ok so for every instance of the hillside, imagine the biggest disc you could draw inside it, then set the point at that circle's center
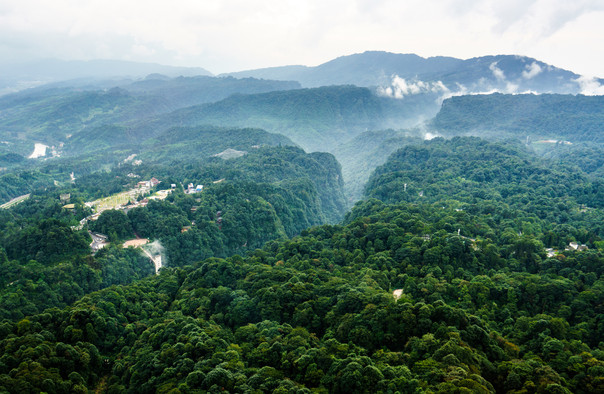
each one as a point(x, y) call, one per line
point(106, 147)
point(65, 118)
point(468, 168)
point(542, 117)
point(316, 119)
point(452, 294)
point(268, 193)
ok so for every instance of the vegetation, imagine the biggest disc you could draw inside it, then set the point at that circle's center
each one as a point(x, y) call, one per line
point(550, 117)
point(468, 266)
point(480, 307)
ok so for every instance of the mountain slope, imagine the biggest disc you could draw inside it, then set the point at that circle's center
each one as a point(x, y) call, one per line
point(317, 119)
point(65, 117)
point(506, 73)
point(549, 117)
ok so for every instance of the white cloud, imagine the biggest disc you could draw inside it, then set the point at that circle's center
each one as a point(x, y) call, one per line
point(531, 71)
point(400, 87)
point(229, 35)
point(497, 72)
point(590, 86)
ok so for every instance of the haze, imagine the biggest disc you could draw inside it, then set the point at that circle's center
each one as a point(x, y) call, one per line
point(232, 35)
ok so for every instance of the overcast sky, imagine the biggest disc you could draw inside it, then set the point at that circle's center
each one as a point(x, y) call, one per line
point(233, 35)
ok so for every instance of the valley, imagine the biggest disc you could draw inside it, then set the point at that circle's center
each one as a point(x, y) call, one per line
point(378, 223)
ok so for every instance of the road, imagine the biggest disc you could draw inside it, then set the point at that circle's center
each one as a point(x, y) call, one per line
point(14, 201)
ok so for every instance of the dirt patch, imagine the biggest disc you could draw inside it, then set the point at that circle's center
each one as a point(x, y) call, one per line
point(136, 242)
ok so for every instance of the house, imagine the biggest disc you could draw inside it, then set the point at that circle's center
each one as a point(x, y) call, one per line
point(144, 184)
point(577, 246)
point(173, 186)
point(199, 188)
point(154, 182)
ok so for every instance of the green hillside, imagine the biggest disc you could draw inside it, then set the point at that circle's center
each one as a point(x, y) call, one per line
point(67, 118)
point(316, 119)
point(269, 193)
point(452, 294)
point(542, 117)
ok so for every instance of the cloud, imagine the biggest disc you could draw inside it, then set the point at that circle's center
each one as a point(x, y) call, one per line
point(497, 72)
point(590, 86)
point(230, 35)
point(531, 71)
point(400, 87)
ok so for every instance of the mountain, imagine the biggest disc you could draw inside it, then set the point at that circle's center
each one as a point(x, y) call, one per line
point(367, 69)
point(67, 117)
point(540, 117)
point(456, 294)
point(506, 73)
point(18, 76)
point(469, 170)
point(317, 119)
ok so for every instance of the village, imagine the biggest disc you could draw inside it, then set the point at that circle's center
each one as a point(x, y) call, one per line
point(126, 201)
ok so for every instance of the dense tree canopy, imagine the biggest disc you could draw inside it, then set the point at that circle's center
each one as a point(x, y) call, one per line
point(451, 291)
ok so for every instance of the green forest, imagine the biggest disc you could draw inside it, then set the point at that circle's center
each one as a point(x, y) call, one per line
point(454, 273)
point(313, 239)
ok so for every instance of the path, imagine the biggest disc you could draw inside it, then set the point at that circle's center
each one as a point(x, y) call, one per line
point(15, 201)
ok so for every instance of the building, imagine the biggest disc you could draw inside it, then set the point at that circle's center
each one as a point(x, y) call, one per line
point(577, 246)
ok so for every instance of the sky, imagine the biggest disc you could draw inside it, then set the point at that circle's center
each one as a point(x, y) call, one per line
point(234, 35)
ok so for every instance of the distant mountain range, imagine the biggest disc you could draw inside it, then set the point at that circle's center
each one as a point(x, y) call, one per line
point(19, 76)
point(504, 73)
point(360, 107)
point(398, 74)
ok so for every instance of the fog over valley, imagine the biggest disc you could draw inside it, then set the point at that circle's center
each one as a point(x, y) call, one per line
point(240, 197)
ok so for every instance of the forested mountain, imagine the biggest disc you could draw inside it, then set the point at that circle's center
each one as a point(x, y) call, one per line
point(316, 119)
point(109, 146)
point(482, 74)
point(496, 178)
point(52, 116)
point(266, 194)
point(469, 265)
point(541, 117)
point(451, 293)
